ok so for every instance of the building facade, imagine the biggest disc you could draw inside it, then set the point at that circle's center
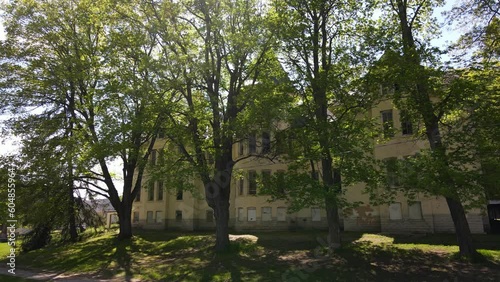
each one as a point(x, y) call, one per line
point(159, 208)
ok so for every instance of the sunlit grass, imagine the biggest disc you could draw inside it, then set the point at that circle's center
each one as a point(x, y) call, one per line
point(437, 243)
point(376, 239)
point(493, 255)
point(4, 249)
point(428, 248)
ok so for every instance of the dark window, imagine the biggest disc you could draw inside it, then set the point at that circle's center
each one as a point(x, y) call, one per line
point(391, 165)
point(241, 148)
point(406, 125)
point(138, 196)
point(153, 157)
point(178, 215)
point(241, 184)
point(281, 181)
point(405, 166)
point(160, 191)
point(161, 133)
point(387, 123)
point(279, 139)
point(266, 181)
point(151, 191)
point(266, 178)
point(161, 156)
point(315, 175)
point(266, 143)
point(136, 217)
point(252, 183)
point(252, 144)
point(179, 195)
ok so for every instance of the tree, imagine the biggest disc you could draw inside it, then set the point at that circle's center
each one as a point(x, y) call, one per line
point(477, 18)
point(480, 76)
point(41, 195)
point(419, 86)
point(91, 65)
point(218, 54)
point(323, 48)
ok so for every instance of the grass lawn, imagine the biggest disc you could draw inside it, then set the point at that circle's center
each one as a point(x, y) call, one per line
point(276, 256)
point(4, 249)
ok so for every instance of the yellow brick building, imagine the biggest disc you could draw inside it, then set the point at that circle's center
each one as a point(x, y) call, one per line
point(161, 209)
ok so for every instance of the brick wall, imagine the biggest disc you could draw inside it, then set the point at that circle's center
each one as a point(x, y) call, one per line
point(357, 223)
point(405, 225)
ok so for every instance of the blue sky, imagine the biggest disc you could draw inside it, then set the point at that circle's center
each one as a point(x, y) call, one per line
point(449, 34)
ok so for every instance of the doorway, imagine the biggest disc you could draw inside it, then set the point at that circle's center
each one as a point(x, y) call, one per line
point(494, 217)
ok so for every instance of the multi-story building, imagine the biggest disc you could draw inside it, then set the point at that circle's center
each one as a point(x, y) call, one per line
point(158, 208)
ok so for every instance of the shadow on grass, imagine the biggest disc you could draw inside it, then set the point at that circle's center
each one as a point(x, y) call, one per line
point(123, 257)
point(301, 240)
point(245, 261)
point(298, 257)
point(388, 263)
point(191, 258)
point(15, 279)
point(276, 256)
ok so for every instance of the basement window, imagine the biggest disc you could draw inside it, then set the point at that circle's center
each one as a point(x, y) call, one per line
point(281, 214)
point(149, 218)
point(241, 214)
point(315, 214)
point(395, 211)
point(415, 210)
point(159, 217)
point(266, 213)
point(178, 215)
point(252, 214)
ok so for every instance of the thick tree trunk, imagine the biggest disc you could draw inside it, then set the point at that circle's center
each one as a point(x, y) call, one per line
point(332, 211)
point(321, 68)
point(221, 213)
point(73, 232)
point(125, 220)
point(425, 107)
point(217, 193)
point(332, 216)
point(217, 197)
point(457, 211)
point(462, 230)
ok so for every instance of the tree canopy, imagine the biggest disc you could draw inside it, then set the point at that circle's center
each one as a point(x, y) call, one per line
point(89, 83)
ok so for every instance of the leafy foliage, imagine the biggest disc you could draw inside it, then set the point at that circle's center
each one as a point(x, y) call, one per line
point(78, 79)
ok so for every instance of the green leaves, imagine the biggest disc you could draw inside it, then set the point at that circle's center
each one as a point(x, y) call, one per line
point(92, 71)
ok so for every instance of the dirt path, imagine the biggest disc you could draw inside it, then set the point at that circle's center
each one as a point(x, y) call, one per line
point(41, 275)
